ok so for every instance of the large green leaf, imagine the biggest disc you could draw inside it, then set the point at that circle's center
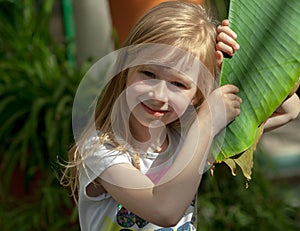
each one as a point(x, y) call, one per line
point(265, 69)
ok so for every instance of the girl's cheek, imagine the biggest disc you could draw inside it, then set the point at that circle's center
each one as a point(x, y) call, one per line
point(180, 105)
point(131, 96)
point(136, 93)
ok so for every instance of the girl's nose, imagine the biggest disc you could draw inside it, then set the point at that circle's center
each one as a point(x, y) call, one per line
point(160, 91)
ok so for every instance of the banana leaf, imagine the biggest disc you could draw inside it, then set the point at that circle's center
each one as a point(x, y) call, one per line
point(266, 69)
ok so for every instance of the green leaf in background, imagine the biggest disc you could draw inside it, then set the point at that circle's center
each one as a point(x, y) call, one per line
point(265, 69)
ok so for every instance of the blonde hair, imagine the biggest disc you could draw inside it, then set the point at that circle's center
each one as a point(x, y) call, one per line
point(180, 24)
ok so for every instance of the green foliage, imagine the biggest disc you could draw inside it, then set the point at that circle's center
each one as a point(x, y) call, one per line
point(226, 204)
point(265, 69)
point(219, 8)
point(37, 87)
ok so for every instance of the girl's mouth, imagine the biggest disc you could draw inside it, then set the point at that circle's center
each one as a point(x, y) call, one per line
point(154, 112)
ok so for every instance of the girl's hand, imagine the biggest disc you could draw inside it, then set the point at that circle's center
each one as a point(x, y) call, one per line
point(225, 41)
point(222, 106)
point(287, 111)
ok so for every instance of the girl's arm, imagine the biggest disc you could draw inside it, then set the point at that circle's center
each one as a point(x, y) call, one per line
point(165, 203)
point(286, 112)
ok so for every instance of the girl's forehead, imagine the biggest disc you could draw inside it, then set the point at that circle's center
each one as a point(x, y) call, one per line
point(166, 57)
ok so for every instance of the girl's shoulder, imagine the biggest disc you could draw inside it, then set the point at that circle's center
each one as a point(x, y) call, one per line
point(99, 153)
point(96, 140)
point(101, 145)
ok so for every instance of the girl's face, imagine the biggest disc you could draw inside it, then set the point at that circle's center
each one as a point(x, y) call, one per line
point(158, 93)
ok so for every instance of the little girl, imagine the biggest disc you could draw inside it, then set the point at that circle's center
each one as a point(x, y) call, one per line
point(138, 165)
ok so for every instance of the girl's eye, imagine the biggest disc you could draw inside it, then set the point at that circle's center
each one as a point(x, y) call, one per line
point(149, 74)
point(178, 84)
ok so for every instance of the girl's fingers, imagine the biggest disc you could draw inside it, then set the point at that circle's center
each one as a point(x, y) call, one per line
point(229, 88)
point(237, 102)
point(226, 30)
point(234, 97)
point(228, 40)
point(225, 22)
point(224, 48)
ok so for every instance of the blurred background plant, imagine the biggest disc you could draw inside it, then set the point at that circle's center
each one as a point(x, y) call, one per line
point(37, 86)
point(226, 203)
point(38, 82)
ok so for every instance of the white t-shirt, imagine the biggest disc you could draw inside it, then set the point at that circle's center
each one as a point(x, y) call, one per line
point(103, 213)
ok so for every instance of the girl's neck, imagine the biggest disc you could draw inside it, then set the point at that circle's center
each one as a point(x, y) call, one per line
point(153, 138)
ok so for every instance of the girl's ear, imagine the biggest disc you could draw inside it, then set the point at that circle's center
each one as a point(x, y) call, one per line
point(219, 56)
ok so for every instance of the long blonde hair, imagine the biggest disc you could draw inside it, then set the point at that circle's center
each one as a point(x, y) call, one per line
point(180, 24)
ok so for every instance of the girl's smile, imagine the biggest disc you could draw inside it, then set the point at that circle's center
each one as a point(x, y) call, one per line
point(154, 111)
